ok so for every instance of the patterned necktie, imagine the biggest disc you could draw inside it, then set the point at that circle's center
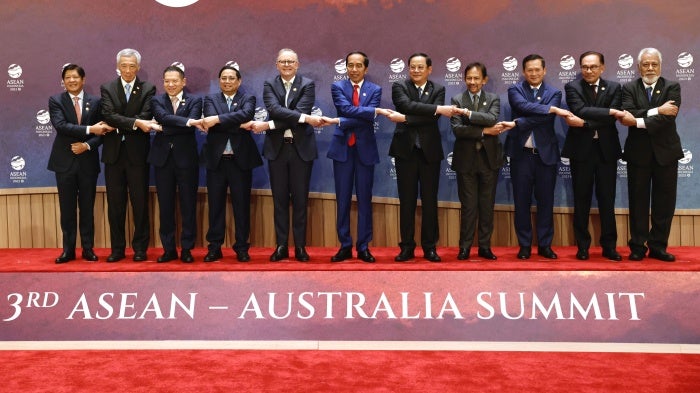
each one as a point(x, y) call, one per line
point(127, 91)
point(175, 102)
point(475, 108)
point(420, 93)
point(649, 93)
point(228, 149)
point(287, 88)
point(76, 106)
point(355, 102)
point(229, 100)
point(594, 92)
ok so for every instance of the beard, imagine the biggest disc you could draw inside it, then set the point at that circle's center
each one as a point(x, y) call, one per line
point(650, 79)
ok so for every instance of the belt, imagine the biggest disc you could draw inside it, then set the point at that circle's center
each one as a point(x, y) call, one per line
point(227, 156)
point(531, 150)
point(288, 139)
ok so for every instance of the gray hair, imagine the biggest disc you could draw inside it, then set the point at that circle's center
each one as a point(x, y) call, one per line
point(128, 52)
point(286, 50)
point(651, 51)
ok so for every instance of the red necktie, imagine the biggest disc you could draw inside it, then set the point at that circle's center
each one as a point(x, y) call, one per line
point(355, 102)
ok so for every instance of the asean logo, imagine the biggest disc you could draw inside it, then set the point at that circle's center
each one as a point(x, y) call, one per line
point(625, 61)
point(567, 62)
point(685, 60)
point(510, 63)
point(397, 65)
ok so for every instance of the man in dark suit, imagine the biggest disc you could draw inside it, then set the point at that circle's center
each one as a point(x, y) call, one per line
point(417, 149)
point(534, 152)
point(652, 151)
point(126, 106)
point(75, 159)
point(173, 154)
point(477, 157)
point(290, 148)
point(593, 146)
point(230, 155)
point(354, 153)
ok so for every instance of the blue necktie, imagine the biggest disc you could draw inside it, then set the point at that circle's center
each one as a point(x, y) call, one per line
point(127, 91)
point(534, 92)
point(649, 93)
point(228, 149)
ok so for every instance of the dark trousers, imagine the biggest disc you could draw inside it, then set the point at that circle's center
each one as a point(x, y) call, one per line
point(228, 176)
point(529, 174)
point(476, 189)
point(171, 181)
point(76, 190)
point(655, 183)
point(346, 174)
point(290, 177)
point(586, 175)
point(121, 178)
point(414, 176)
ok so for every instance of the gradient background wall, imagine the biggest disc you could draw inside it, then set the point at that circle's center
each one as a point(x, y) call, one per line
point(39, 37)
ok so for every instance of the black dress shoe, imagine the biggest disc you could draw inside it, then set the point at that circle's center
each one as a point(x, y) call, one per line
point(281, 252)
point(186, 256)
point(487, 254)
point(406, 254)
point(463, 253)
point(140, 256)
point(661, 255)
point(366, 256)
point(89, 255)
point(546, 252)
point(213, 255)
point(342, 254)
point(242, 256)
point(431, 255)
point(115, 256)
point(582, 254)
point(167, 256)
point(612, 255)
point(300, 254)
point(65, 257)
point(524, 253)
point(636, 256)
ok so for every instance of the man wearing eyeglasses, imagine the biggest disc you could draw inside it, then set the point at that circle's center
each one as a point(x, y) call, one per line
point(593, 146)
point(290, 148)
point(652, 151)
point(417, 149)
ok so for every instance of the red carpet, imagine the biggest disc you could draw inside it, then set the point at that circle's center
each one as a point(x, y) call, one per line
point(42, 260)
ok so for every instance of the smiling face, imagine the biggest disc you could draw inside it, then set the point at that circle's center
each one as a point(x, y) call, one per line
point(475, 80)
point(287, 64)
point(419, 70)
point(356, 68)
point(73, 82)
point(229, 82)
point(534, 72)
point(173, 83)
point(128, 68)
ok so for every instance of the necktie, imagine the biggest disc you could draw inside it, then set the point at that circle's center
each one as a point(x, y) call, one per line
point(287, 88)
point(420, 93)
point(649, 93)
point(228, 149)
point(175, 102)
point(76, 106)
point(534, 92)
point(420, 96)
point(475, 108)
point(594, 91)
point(355, 102)
point(127, 91)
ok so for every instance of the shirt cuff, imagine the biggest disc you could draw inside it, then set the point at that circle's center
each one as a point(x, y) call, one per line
point(652, 112)
point(302, 118)
point(271, 124)
point(640, 123)
point(87, 130)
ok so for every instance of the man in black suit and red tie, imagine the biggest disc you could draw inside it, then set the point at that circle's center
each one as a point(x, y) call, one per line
point(290, 148)
point(230, 155)
point(75, 159)
point(593, 146)
point(652, 151)
point(174, 157)
point(417, 149)
point(126, 106)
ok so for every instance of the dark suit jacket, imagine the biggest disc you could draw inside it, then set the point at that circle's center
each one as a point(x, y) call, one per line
point(579, 140)
point(176, 137)
point(421, 120)
point(117, 113)
point(660, 137)
point(301, 101)
point(68, 132)
point(357, 119)
point(532, 114)
point(470, 130)
point(245, 151)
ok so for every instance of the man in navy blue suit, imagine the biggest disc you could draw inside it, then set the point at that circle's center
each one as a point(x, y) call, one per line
point(354, 153)
point(74, 158)
point(534, 153)
point(174, 157)
point(230, 155)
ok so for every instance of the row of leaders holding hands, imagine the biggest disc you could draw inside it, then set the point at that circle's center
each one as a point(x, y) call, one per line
point(129, 110)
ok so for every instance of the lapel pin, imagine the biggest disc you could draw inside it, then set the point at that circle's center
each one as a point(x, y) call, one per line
point(602, 88)
point(658, 92)
point(294, 89)
point(364, 94)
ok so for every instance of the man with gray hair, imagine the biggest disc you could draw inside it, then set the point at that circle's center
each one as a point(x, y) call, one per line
point(652, 151)
point(126, 106)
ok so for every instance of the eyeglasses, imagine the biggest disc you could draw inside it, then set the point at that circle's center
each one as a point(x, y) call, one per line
point(591, 68)
point(417, 68)
point(286, 62)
